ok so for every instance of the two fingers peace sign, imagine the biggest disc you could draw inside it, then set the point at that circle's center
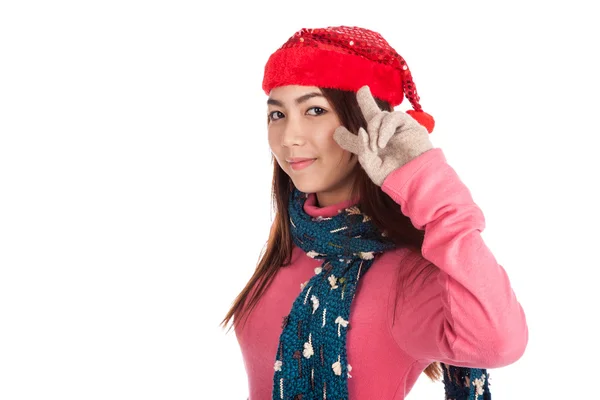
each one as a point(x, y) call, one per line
point(390, 140)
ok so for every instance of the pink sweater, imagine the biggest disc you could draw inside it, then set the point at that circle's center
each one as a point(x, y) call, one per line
point(465, 313)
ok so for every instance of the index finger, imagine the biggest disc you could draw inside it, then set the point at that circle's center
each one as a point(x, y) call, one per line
point(367, 103)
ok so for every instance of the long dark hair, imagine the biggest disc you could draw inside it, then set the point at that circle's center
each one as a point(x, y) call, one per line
point(384, 212)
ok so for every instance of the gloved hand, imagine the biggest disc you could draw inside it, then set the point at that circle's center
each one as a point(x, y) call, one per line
point(391, 140)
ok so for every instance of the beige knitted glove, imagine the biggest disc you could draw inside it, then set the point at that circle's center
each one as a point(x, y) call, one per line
point(391, 140)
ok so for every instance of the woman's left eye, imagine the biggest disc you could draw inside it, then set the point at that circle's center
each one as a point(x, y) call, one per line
point(318, 110)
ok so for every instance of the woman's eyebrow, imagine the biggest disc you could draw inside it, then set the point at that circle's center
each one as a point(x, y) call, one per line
point(299, 100)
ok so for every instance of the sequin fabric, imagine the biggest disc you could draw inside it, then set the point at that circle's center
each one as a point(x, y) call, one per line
point(359, 42)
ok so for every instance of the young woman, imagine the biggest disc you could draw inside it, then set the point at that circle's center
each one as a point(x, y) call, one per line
point(375, 269)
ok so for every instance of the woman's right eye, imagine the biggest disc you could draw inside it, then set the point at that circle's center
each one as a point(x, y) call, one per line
point(275, 115)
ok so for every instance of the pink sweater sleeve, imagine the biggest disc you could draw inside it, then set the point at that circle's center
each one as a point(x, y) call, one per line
point(466, 313)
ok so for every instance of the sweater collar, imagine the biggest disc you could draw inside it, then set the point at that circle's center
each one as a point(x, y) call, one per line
point(312, 209)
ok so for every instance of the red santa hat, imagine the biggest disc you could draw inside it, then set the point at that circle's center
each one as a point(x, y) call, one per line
point(346, 58)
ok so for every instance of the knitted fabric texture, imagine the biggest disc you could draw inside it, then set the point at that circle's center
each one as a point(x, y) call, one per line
point(311, 360)
point(465, 383)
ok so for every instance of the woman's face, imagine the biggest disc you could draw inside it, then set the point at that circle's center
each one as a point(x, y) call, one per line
point(301, 126)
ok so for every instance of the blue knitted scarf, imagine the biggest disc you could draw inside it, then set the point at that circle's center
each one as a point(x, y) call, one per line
point(311, 361)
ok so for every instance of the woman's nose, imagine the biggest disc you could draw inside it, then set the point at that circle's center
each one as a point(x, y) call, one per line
point(293, 134)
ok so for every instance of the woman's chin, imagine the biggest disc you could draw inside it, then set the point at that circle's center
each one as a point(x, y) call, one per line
point(306, 186)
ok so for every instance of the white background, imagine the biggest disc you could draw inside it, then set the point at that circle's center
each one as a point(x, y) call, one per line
point(135, 179)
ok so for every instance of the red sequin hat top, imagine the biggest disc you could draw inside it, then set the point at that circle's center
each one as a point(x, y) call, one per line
point(346, 58)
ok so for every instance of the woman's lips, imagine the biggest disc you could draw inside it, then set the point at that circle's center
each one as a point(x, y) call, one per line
point(297, 165)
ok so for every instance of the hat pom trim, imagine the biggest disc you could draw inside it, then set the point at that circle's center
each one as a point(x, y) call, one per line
point(423, 118)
